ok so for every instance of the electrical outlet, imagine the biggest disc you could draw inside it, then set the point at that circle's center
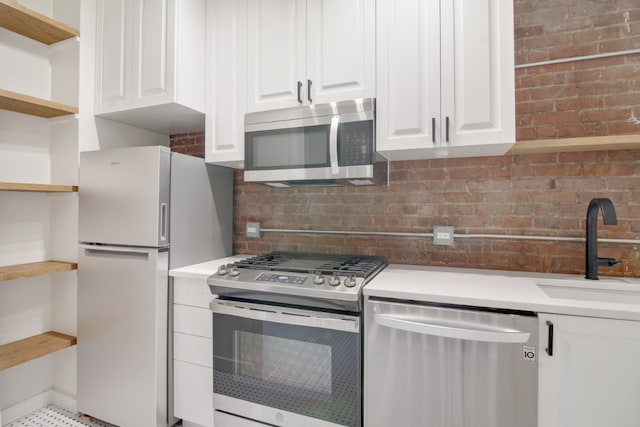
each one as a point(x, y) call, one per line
point(442, 235)
point(252, 229)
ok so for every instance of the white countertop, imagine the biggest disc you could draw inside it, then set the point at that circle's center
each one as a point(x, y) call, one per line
point(486, 288)
point(509, 290)
point(204, 269)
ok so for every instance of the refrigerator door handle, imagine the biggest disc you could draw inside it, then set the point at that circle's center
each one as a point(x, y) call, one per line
point(453, 331)
point(113, 252)
point(163, 222)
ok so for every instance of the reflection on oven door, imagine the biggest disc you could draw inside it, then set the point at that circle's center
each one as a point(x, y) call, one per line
point(222, 419)
point(285, 366)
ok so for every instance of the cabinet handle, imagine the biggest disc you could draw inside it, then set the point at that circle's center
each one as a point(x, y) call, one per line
point(549, 348)
point(300, 92)
point(447, 129)
point(309, 91)
point(433, 130)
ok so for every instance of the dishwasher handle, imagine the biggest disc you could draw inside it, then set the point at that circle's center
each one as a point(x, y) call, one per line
point(453, 331)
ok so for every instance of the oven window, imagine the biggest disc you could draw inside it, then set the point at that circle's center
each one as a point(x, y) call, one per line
point(310, 371)
point(294, 148)
point(277, 360)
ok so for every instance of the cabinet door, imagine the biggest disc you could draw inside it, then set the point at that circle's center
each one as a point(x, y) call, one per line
point(226, 82)
point(153, 45)
point(113, 52)
point(276, 49)
point(340, 51)
point(591, 379)
point(478, 95)
point(408, 67)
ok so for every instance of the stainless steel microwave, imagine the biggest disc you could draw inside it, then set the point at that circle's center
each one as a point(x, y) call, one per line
point(318, 144)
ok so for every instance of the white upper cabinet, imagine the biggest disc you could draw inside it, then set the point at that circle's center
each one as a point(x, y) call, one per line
point(309, 51)
point(150, 63)
point(591, 378)
point(445, 78)
point(226, 82)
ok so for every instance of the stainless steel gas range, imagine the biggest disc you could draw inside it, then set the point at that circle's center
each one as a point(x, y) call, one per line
point(287, 343)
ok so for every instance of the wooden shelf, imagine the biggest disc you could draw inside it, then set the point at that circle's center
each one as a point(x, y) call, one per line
point(27, 349)
point(29, 23)
point(591, 143)
point(25, 104)
point(20, 271)
point(44, 188)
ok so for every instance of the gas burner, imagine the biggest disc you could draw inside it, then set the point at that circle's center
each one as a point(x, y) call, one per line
point(364, 266)
point(332, 281)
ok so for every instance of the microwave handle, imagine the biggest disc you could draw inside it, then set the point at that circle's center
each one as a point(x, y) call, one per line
point(333, 145)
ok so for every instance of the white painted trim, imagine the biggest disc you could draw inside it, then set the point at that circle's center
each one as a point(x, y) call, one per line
point(36, 402)
point(26, 407)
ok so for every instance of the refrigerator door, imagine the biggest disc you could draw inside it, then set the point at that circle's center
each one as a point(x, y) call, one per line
point(124, 196)
point(449, 367)
point(122, 335)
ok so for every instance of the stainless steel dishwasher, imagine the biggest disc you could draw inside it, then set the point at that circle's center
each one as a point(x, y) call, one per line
point(449, 366)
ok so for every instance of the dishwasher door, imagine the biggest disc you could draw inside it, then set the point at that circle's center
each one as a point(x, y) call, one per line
point(449, 366)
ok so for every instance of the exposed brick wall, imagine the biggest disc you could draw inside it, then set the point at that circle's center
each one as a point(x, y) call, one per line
point(513, 195)
point(586, 98)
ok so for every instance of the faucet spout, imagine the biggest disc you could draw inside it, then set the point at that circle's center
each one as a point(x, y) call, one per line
point(609, 217)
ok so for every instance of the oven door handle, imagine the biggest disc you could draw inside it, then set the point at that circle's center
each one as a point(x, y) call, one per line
point(286, 316)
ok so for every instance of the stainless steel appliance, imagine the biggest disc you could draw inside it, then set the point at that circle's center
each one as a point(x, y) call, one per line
point(319, 144)
point(449, 366)
point(287, 343)
point(142, 211)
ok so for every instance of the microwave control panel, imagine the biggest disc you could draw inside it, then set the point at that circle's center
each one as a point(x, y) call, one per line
point(355, 143)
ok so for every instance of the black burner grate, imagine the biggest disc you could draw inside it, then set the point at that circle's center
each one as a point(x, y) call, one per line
point(366, 266)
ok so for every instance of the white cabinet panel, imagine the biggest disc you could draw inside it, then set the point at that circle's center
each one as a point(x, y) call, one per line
point(340, 50)
point(226, 96)
point(591, 379)
point(309, 51)
point(193, 391)
point(194, 292)
point(445, 78)
point(192, 320)
point(276, 43)
point(150, 63)
point(111, 52)
point(193, 349)
point(408, 66)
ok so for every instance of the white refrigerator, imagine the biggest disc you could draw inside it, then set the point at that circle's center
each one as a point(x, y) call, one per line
point(142, 211)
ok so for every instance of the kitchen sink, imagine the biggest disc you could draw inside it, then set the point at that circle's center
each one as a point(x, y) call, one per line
point(619, 291)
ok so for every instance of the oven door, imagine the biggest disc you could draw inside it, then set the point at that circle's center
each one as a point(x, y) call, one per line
point(286, 367)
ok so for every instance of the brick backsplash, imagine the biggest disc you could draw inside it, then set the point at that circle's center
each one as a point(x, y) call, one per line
point(522, 195)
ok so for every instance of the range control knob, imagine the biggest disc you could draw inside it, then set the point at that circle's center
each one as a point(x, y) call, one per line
point(223, 270)
point(334, 280)
point(350, 281)
point(233, 271)
point(318, 278)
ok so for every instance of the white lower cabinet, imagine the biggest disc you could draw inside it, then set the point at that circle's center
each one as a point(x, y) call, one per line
point(192, 394)
point(591, 378)
point(192, 352)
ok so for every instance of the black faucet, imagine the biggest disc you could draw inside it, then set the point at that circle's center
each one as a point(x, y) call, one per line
point(608, 218)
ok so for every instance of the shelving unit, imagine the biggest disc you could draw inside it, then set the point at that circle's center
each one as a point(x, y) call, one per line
point(41, 188)
point(29, 23)
point(59, 67)
point(589, 143)
point(21, 271)
point(27, 349)
point(25, 104)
